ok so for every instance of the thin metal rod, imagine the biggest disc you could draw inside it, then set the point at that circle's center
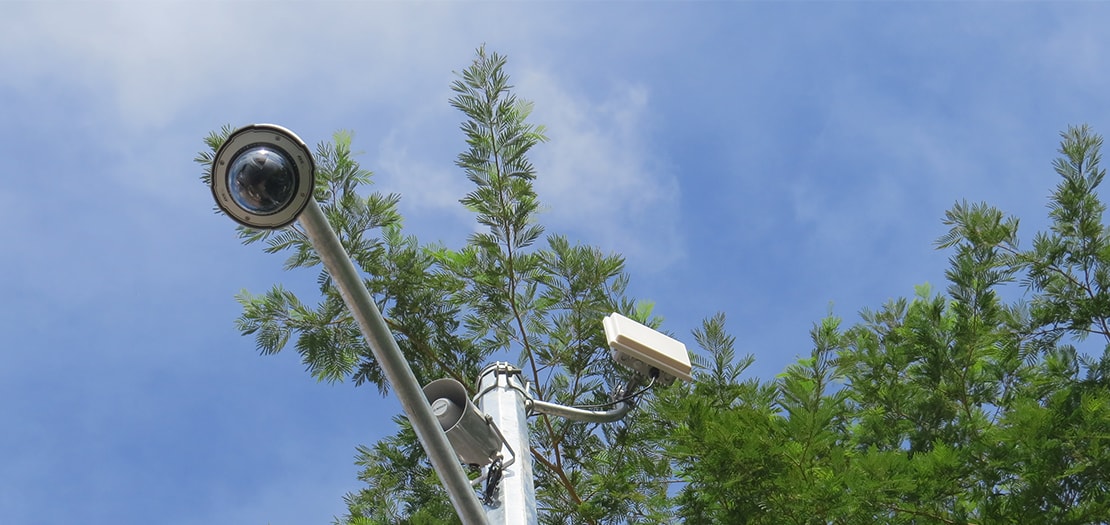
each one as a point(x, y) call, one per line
point(392, 361)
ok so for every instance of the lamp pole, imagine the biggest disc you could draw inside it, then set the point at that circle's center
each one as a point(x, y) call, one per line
point(263, 177)
point(393, 362)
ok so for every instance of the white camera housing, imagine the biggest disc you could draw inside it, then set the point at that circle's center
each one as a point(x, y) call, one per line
point(643, 349)
point(263, 176)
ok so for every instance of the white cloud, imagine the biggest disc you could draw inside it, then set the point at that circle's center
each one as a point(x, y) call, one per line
point(597, 174)
point(155, 61)
point(157, 74)
point(416, 159)
point(151, 59)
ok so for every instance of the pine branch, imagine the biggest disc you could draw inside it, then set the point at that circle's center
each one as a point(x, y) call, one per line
point(563, 479)
point(427, 351)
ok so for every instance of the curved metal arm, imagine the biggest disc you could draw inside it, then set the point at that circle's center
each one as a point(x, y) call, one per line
point(622, 408)
point(581, 414)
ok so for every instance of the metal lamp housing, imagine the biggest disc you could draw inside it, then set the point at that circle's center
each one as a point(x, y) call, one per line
point(263, 176)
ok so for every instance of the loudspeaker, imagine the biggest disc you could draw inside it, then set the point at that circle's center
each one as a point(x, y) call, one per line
point(473, 437)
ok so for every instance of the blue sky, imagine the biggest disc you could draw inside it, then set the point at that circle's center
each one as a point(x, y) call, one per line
point(764, 160)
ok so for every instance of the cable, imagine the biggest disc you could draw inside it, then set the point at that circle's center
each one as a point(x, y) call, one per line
point(654, 374)
point(493, 477)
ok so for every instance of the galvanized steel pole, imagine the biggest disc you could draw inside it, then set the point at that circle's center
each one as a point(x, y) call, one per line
point(502, 397)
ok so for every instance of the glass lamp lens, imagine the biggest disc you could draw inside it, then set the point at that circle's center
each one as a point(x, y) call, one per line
point(262, 180)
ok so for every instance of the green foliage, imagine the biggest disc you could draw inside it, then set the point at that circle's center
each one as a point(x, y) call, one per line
point(956, 408)
point(545, 306)
point(401, 487)
point(942, 408)
point(511, 291)
point(399, 272)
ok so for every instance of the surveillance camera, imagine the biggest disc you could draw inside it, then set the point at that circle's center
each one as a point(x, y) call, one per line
point(473, 436)
point(263, 176)
point(645, 350)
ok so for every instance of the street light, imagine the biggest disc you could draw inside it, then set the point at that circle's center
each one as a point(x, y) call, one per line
point(263, 177)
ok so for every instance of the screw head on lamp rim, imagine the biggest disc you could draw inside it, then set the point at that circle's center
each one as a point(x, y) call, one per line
point(263, 176)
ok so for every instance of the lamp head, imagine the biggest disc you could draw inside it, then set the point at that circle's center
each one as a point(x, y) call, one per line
point(263, 176)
